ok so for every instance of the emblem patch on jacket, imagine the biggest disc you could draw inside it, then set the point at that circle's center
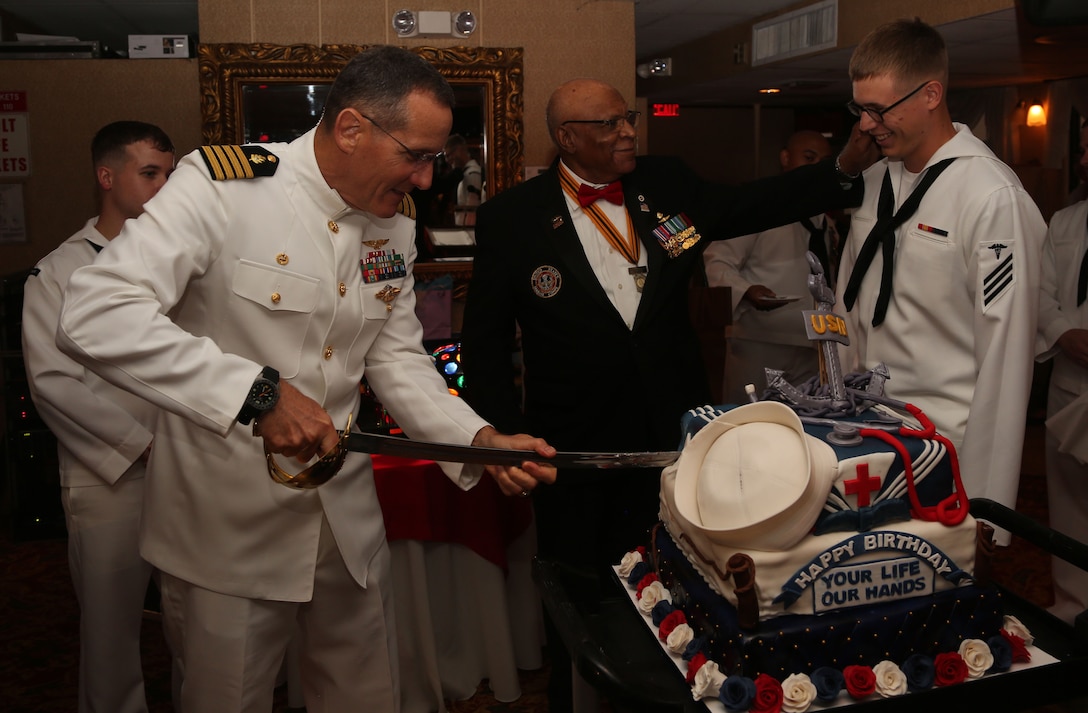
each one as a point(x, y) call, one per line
point(226, 163)
point(995, 263)
point(546, 281)
point(675, 233)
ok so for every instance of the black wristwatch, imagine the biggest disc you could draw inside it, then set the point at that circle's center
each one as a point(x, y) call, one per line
point(262, 396)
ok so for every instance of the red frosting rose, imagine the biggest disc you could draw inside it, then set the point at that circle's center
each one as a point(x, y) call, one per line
point(768, 697)
point(645, 582)
point(670, 622)
point(860, 681)
point(694, 665)
point(642, 551)
point(949, 668)
point(1019, 649)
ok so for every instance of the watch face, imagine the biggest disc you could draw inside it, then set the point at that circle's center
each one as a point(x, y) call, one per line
point(263, 395)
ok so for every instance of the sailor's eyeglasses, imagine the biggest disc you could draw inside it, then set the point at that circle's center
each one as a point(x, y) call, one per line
point(419, 158)
point(877, 115)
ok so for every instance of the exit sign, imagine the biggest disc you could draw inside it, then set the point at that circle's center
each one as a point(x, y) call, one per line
point(666, 110)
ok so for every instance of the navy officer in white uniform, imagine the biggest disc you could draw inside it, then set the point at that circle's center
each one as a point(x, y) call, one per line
point(247, 303)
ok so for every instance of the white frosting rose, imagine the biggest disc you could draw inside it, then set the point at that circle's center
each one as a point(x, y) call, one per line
point(1014, 626)
point(652, 594)
point(708, 681)
point(890, 679)
point(978, 657)
point(798, 693)
point(679, 639)
point(628, 563)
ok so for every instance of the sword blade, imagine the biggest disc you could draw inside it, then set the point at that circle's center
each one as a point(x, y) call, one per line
point(374, 443)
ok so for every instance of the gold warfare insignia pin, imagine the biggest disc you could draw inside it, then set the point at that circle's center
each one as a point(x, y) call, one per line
point(376, 244)
point(387, 294)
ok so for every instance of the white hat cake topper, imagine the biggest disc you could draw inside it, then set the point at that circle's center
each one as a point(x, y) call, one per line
point(753, 478)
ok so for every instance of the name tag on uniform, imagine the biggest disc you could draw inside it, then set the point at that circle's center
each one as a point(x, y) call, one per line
point(382, 265)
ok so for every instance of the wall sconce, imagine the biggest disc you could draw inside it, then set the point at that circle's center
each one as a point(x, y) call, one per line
point(1036, 114)
point(655, 68)
point(409, 23)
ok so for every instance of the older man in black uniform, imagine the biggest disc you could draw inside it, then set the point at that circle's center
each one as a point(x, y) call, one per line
point(592, 260)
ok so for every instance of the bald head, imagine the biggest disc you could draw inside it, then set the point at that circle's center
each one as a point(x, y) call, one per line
point(803, 148)
point(578, 99)
point(594, 151)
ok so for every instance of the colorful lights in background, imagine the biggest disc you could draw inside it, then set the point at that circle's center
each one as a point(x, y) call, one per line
point(374, 418)
point(447, 359)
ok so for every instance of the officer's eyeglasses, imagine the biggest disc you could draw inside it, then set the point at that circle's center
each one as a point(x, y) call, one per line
point(877, 115)
point(612, 124)
point(419, 158)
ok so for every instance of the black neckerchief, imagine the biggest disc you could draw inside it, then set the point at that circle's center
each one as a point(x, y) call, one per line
point(883, 235)
point(817, 244)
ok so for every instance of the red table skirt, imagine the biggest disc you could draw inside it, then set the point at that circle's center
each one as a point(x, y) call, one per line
point(420, 503)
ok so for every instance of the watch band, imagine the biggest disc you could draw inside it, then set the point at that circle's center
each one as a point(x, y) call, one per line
point(250, 408)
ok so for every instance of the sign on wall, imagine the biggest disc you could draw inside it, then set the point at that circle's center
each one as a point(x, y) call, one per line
point(14, 135)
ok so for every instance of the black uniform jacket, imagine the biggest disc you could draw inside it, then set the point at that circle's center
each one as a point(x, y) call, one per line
point(590, 383)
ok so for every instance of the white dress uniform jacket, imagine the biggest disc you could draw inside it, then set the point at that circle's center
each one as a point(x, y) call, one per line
point(101, 430)
point(775, 258)
point(1067, 401)
point(216, 279)
point(958, 335)
point(1058, 310)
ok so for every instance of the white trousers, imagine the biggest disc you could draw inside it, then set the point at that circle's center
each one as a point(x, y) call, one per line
point(230, 649)
point(1067, 499)
point(110, 580)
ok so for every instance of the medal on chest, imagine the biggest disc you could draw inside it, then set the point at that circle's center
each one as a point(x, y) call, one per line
point(675, 233)
point(381, 265)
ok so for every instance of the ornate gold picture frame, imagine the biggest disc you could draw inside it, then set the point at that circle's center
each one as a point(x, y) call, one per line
point(227, 69)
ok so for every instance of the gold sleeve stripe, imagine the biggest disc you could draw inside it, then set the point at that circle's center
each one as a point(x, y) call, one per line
point(226, 162)
point(407, 207)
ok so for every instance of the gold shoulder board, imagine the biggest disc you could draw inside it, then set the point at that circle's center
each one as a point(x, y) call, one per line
point(229, 162)
point(407, 207)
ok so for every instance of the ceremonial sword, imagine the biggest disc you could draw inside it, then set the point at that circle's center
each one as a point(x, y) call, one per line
point(374, 443)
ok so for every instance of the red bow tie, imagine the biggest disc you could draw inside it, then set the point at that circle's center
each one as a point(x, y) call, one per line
point(613, 193)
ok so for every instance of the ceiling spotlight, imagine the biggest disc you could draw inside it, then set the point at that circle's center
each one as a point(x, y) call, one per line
point(404, 23)
point(655, 68)
point(464, 24)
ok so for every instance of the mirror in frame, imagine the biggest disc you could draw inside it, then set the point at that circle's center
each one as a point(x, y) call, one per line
point(238, 80)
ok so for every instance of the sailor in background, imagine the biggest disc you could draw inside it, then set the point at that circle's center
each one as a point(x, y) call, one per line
point(768, 276)
point(104, 433)
point(1063, 327)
